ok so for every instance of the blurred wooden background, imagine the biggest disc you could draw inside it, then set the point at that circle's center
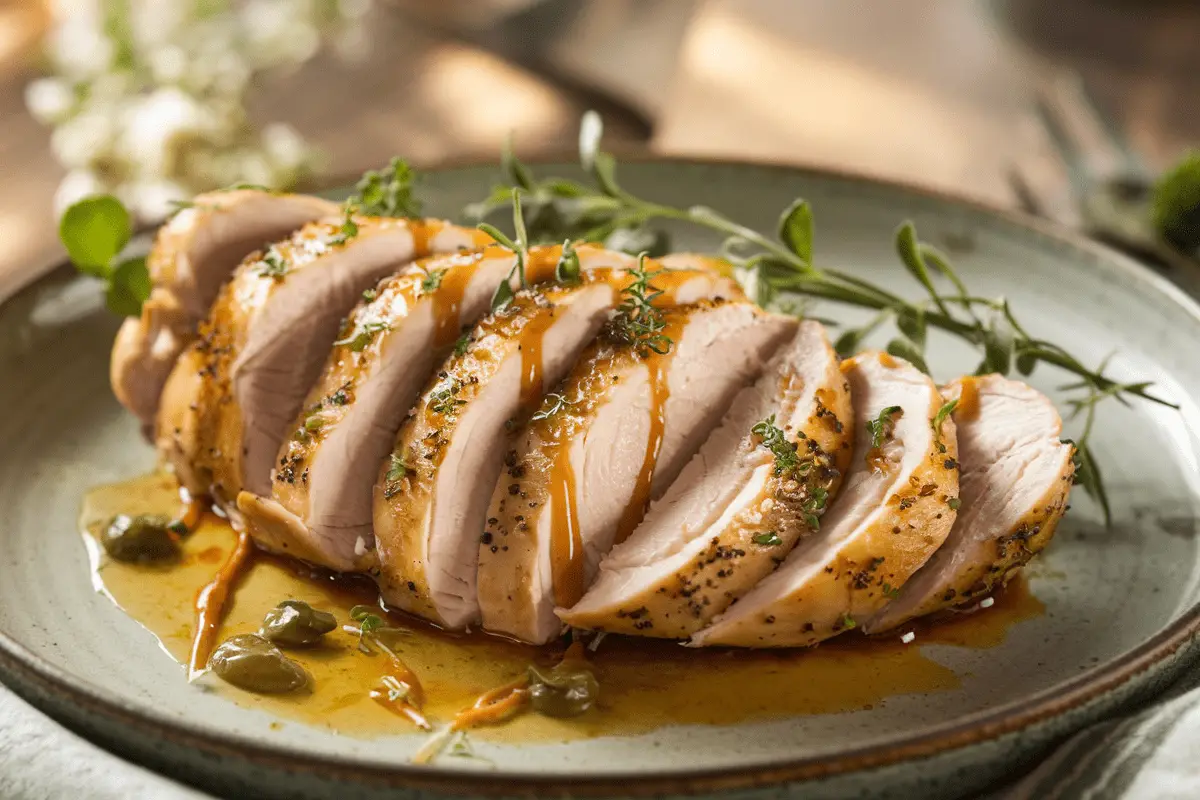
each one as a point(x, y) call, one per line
point(933, 91)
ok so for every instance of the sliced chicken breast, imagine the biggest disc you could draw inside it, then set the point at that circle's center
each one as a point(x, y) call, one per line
point(429, 509)
point(1014, 480)
point(266, 338)
point(194, 253)
point(895, 509)
point(614, 435)
point(388, 349)
point(758, 485)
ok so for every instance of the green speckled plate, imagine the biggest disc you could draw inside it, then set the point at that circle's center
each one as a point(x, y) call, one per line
point(1121, 604)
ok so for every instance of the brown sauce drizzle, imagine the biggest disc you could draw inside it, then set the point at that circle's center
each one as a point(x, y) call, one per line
point(447, 302)
point(968, 399)
point(423, 231)
point(541, 263)
point(660, 391)
point(211, 601)
point(530, 345)
point(566, 540)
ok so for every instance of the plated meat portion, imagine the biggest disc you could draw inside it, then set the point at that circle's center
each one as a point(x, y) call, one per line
point(193, 254)
point(429, 507)
point(387, 350)
point(895, 509)
point(611, 437)
point(759, 484)
point(265, 339)
point(1014, 480)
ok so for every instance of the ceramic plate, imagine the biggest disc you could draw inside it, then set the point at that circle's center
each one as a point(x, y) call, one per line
point(1120, 613)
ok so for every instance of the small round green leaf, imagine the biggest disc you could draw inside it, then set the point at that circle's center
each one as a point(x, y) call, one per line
point(128, 287)
point(94, 230)
point(796, 229)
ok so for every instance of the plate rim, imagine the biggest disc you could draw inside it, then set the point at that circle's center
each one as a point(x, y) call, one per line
point(1077, 692)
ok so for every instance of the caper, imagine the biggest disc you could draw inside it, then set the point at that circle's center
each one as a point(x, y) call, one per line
point(250, 662)
point(568, 690)
point(145, 537)
point(294, 623)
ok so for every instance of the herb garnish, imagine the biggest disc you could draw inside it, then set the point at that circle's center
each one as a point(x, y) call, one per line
point(847, 623)
point(768, 539)
point(443, 400)
point(568, 269)
point(773, 439)
point(388, 192)
point(272, 265)
point(775, 270)
point(370, 294)
point(637, 322)
point(940, 417)
point(881, 427)
point(954, 503)
point(432, 280)
point(95, 231)
point(813, 506)
point(368, 622)
point(553, 404)
point(520, 248)
point(362, 335)
point(460, 346)
point(349, 228)
point(891, 592)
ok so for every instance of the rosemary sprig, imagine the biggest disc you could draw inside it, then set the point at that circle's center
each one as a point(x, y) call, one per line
point(774, 270)
point(637, 323)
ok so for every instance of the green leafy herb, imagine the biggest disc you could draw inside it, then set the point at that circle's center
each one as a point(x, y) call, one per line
point(814, 506)
point(432, 280)
point(768, 539)
point(553, 404)
point(95, 231)
point(370, 294)
point(890, 592)
point(445, 399)
point(567, 270)
point(504, 292)
point(368, 622)
point(847, 623)
point(272, 265)
point(349, 227)
point(939, 419)
point(397, 469)
point(881, 427)
point(954, 504)
point(637, 323)
point(774, 439)
point(460, 346)
point(362, 335)
point(389, 192)
point(1176, 204)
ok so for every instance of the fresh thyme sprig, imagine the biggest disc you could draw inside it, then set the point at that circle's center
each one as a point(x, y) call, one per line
point(774, 270)
point(520, 248)
point(637, 322)
point(389, 192)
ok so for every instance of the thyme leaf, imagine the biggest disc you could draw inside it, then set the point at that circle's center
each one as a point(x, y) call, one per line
point(432, 280)
point(774, 439)
point(637, 323)
point(881, 427)
point(768, 539)
point(362, 335)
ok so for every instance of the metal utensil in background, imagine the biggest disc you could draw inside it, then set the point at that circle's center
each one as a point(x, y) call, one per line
point(1080, 170)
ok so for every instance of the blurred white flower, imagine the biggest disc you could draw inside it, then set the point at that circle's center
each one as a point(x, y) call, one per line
point(49, 99)
point(147, 98)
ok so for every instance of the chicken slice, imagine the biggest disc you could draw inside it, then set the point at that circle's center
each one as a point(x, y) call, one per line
point(194, 253)
point(265, 340)
point(895, 509)
point(613, 436)
point(1014, 479)
point(429, 509)
point(389, 347)
point(757, 486)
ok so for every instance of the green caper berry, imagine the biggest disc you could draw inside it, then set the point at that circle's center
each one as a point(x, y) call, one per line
point(565, 691)
point(294, 623)
point(250, 662)
point(145, 537)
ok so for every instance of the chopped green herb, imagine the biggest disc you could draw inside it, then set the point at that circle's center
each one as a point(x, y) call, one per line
point(349, 228)
point(272, 265)
point(637, 323)
point(891, 592)
point(368, 622)
point(881, 427)
point(460, 347)
point(954, 503)
point(369, 295)
point(847, 623)
point(397, 469)
point(433, 280)
point(444, 399)
point(768, 539)
point(388, 192)
point(362, 336)
point(773, 439)
point(553, 404)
